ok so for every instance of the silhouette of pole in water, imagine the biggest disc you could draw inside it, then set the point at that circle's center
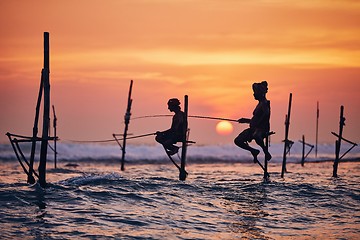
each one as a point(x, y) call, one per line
point(127, 121)
point(182, 174)
point(338, 141)
point(317, 128)
point(266, 174)
point(286, 141)
point(55, 137)
point(46, 113)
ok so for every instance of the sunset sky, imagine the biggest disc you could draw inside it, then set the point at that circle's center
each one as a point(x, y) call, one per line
point(211, 50)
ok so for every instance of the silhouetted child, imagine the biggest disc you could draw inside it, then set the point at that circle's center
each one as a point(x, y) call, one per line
point(259, 123)
point(176, 133)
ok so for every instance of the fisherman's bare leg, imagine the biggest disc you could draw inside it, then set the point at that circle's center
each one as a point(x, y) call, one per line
point(259, 141)
point(239, 141)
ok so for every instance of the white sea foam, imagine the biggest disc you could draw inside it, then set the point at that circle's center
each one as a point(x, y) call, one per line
point(196, 153)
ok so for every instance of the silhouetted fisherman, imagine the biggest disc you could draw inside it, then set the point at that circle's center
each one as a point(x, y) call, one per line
point(259, 123)
point(176, 133)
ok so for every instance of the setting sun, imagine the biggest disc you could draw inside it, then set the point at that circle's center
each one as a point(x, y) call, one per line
point(224, 128)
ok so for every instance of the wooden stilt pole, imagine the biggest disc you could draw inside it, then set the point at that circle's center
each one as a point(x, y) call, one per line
point(338, 142)
point(287, 124)
point(46, 115)
point(303, 151)
point(266, 174)
point(127, 121)
point(267, 143)
point(55, 136)
point(317, 129)
point(182, 174)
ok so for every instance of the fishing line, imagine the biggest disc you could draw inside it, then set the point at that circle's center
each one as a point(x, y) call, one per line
point(191, 116)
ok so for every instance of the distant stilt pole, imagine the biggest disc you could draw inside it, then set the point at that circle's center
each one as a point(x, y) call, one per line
point(338, 142)
point(303, 151)
point(55, 136)
point(46, 114)
point(127, 121)
point(182, 174)
point(286, 142)
point(266, 174)
point(317, 129)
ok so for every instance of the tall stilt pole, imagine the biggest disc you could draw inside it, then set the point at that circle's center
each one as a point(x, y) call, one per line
point(182, 174)
point(338, 141)
point(286, 142)
point(127, 121)
point(317, 129)
point(266, 174)
point(303, 151)
point(55, 136)
point(46, 115)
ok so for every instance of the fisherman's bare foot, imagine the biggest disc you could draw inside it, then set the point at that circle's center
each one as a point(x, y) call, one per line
point(173, 151)
point(255, 152)
point(268, 156)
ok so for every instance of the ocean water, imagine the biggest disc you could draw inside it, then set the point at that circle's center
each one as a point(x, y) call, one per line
point(224, 197)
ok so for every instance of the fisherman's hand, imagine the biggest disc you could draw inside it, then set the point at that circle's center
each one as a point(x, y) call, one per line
point(243, 120)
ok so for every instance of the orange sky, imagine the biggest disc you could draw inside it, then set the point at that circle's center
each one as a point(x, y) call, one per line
point(212, 50)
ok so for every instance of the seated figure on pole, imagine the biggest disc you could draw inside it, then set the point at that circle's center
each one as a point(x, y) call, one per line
point(259, 123)
point(176, 133)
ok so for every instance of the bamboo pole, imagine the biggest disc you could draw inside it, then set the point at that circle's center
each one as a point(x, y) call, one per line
point(338, 142)
point(287, 124)
point(46, 113)
point(55, 137)
point(127, 121)
point(182, 174)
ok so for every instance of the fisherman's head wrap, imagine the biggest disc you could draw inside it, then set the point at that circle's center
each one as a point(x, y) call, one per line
point(260, 88)
point(173, 102)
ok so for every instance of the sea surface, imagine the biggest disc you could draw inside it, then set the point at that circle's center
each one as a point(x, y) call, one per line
point(223, 197)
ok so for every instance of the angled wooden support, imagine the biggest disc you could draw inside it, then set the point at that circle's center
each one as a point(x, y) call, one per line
point(18, 158)
point(304, 156)
point(338, 141)
point(127, 121)
point(345, 140)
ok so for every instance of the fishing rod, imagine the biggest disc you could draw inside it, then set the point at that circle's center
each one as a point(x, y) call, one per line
point(214, 118)
point(138, 136)
point(111, 140)
point(191, 116)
